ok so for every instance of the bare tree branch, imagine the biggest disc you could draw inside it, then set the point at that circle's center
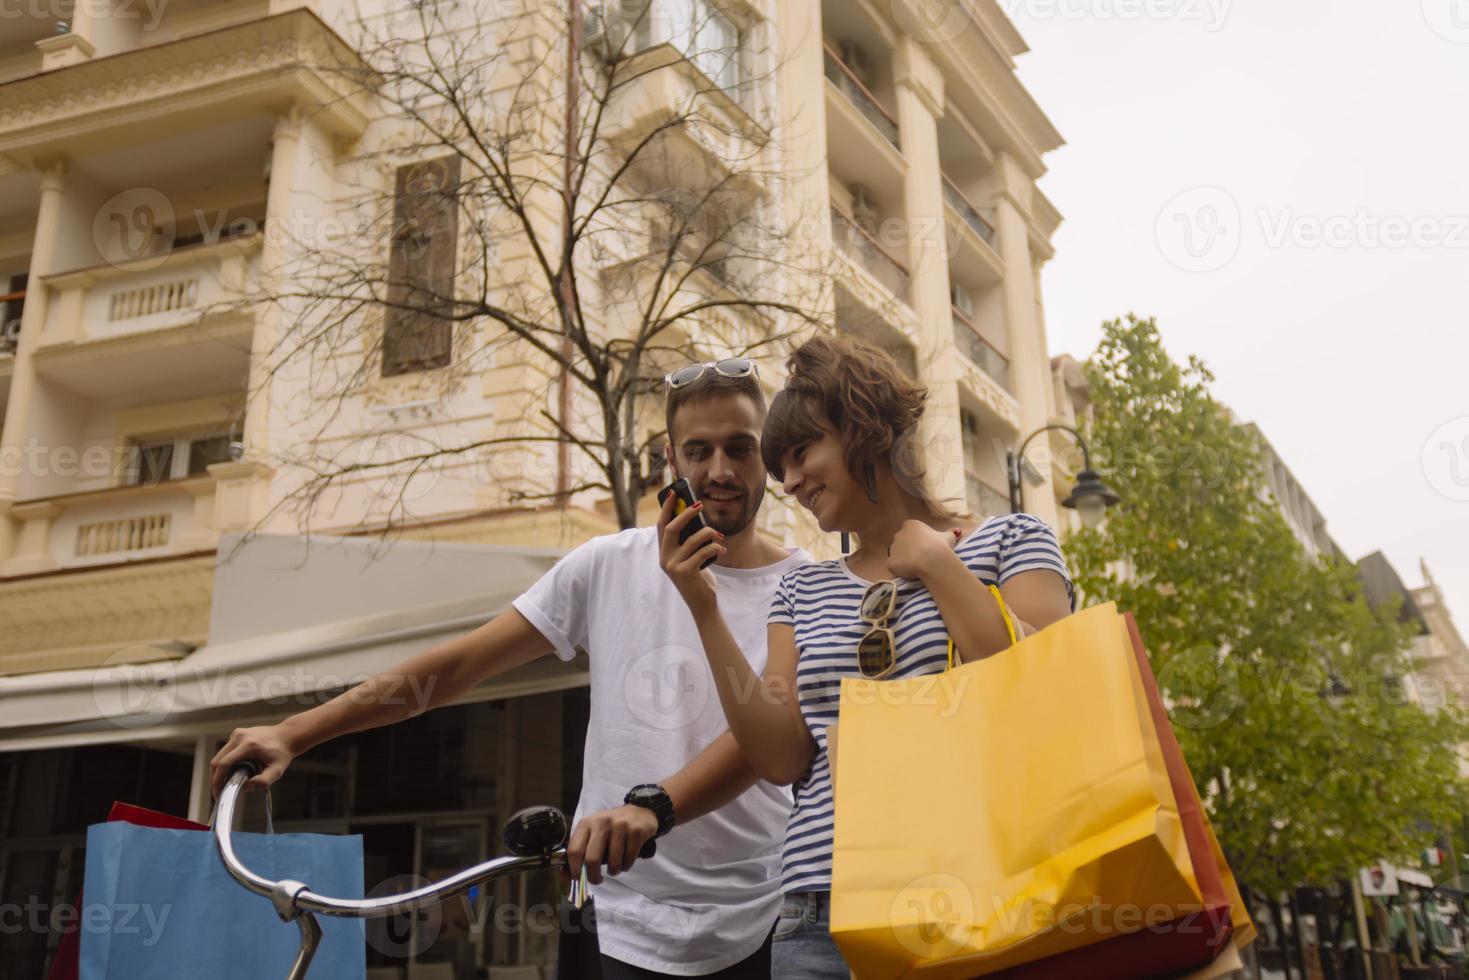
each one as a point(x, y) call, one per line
point(626, 252)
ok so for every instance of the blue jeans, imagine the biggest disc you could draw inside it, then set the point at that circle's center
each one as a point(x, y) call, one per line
point(803, 947)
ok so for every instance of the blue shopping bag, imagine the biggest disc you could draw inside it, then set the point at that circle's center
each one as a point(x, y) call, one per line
point(159, 904)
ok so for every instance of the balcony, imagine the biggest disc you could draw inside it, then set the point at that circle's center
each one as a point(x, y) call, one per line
point(160, 292)
point(850, 87)
point(984, 354)
point(861, 136)
point(135, 523)
point(967, 212)
point(112, 525)
point(159, 328)
point(998, 409)
point(972, 254)
point(872, 314)
point(856, 244)
point(983, 499)
point(708, 134)
point(257, 68)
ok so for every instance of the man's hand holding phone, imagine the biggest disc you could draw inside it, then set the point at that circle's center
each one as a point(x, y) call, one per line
point(684, 556)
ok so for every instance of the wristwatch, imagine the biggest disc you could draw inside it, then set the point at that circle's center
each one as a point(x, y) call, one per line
point(653, 797)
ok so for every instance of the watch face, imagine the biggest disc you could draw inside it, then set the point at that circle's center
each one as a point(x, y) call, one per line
point(655, 798)
point(647, 795)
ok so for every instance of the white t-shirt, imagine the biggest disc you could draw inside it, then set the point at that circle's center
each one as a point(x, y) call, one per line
point(712, 892)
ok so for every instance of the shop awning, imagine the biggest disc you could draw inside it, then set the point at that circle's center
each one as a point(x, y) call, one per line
point(291, 617)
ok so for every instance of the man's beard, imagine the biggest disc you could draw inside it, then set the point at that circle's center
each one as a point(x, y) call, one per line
point(740, 519)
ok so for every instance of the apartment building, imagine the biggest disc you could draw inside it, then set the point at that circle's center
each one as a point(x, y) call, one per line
point(156, 165)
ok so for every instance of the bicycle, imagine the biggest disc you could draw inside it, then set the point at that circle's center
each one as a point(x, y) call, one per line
point(535, 838)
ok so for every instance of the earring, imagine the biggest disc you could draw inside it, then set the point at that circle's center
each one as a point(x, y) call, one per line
point(871, 483)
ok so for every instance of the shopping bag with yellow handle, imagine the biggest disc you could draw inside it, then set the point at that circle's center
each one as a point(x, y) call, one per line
point(1005, 811)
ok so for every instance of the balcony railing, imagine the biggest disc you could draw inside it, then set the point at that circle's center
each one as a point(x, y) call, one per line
point(968, 212)
point(123, 523)
point(856, 93)
point(854, 241)
point(984, 499)
point(153, 292)
point(973, 346)
point(124, 534)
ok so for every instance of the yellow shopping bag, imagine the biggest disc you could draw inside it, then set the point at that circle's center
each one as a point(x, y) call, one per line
point(1005, 811)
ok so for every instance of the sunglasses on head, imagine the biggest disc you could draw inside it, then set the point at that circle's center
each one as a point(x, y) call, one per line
point(730, 367)
point(877, 651)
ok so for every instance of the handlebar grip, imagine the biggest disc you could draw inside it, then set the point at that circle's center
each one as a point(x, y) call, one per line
point(649, 849)
point(249, 765)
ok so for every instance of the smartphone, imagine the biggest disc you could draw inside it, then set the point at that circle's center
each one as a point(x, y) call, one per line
point(684, 499)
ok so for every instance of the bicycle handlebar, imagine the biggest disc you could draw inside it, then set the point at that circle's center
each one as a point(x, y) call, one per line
point(302, 899)
point(535, 837)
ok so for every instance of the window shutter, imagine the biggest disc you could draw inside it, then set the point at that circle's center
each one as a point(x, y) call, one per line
point(418, 335)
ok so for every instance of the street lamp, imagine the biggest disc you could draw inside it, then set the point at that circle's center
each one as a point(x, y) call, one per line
point(1090, 497)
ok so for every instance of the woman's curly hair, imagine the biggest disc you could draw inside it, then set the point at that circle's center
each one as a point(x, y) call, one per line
point(862, 392)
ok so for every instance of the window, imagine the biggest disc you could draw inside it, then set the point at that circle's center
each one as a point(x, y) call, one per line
point(154, 462)
point(203, 452)
point(418, 335)
point(712, 43)
point(157, 460)
point(697, 28)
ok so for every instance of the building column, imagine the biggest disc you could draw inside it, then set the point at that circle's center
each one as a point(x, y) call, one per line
point(920, 104)
point(23, 378)
point(200, 791)
point(1030, 365)
point(281, 216)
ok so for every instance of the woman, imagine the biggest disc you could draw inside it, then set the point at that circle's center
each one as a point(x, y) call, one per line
point(840, 437)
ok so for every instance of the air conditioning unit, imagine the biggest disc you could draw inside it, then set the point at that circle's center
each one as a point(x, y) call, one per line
point(10, 335)
point(856, 59)
point(864, 208)
point(594, 24)
point(959, 296)
point(606, 25)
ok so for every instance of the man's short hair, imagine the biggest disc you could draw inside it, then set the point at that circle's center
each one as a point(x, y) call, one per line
point(712, 385)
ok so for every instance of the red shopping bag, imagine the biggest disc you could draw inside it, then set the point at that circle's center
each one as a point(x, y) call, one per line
point(65, 966)
point(1183, 944)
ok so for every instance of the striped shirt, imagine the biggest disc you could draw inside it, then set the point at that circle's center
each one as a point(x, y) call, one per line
point(820, 602)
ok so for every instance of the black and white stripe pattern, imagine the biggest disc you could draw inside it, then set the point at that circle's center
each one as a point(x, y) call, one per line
point(820, 601)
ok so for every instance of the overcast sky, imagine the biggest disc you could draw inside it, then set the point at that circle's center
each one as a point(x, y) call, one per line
point(1285, 186)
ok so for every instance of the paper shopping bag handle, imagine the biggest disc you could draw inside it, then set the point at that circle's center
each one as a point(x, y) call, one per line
point(1004, 614)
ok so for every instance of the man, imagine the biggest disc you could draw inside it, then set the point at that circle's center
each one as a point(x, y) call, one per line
point(706, 904)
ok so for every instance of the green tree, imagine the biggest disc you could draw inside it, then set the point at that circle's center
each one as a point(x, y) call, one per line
point(1287, 690)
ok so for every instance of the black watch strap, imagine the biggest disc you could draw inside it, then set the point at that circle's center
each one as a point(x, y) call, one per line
point(653, 797)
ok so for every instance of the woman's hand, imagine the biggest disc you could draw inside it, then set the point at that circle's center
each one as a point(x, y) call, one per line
point(266, 744)
point(918, 550)
point(682, 563)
